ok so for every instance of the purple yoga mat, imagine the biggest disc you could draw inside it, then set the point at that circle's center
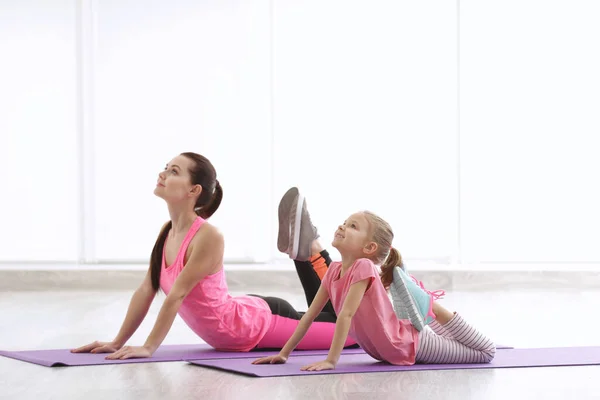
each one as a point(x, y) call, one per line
point(353, 363)
point(180, 352)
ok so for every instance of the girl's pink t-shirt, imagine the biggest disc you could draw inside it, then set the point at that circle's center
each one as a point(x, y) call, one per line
point(375, 326)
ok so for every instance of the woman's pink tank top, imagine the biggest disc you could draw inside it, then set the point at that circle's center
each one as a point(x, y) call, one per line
point(224, 322)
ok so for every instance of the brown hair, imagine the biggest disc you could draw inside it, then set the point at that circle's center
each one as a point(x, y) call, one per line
point(204, 174)
point(386, 256)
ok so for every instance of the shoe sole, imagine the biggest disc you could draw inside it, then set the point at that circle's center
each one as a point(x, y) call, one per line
point(295, 224)
point(426, 315)
point(404, 303)
point(285, 206)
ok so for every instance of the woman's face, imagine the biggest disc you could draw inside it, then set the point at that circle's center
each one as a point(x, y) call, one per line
point(174, 182)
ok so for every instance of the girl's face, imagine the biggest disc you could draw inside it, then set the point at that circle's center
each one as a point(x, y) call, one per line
point(353, 238)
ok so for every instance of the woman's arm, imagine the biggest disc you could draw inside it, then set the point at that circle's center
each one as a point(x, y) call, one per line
point(207, 251)
point(136, 312)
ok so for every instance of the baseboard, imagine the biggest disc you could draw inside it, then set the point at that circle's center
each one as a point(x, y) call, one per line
point(265, 280)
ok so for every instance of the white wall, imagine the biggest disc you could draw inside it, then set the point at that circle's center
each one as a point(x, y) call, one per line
point(470, 126)
point(39, 174)
point(172, 77)
point(530, 101)
point(365, 115)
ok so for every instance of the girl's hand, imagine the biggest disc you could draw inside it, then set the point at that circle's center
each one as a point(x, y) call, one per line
point(278, 359)
point(130, 352)
point(98, 347)
point(318, 366)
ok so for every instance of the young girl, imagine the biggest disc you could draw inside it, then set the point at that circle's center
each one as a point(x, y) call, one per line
point(187, 264)
point(365, 312)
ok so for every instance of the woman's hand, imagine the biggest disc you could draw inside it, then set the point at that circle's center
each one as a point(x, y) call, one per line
point(318, 366)
point(278, 359)
point(130, 352)
point(98, 347)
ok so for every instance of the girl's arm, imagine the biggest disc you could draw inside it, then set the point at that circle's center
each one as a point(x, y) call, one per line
point(307, 319)
point(206, 253)
point(342, 326)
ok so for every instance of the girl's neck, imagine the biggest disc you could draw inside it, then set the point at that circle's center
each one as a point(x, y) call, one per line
point(347, 261)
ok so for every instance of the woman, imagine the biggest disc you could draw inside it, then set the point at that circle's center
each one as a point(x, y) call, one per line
point(187, 264)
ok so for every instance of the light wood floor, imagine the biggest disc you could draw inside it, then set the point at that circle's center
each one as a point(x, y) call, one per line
point(46, 319)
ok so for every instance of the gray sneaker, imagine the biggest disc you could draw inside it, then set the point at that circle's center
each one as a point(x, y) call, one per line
point(289, 199)
point(404, 305)
point(296, 231)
